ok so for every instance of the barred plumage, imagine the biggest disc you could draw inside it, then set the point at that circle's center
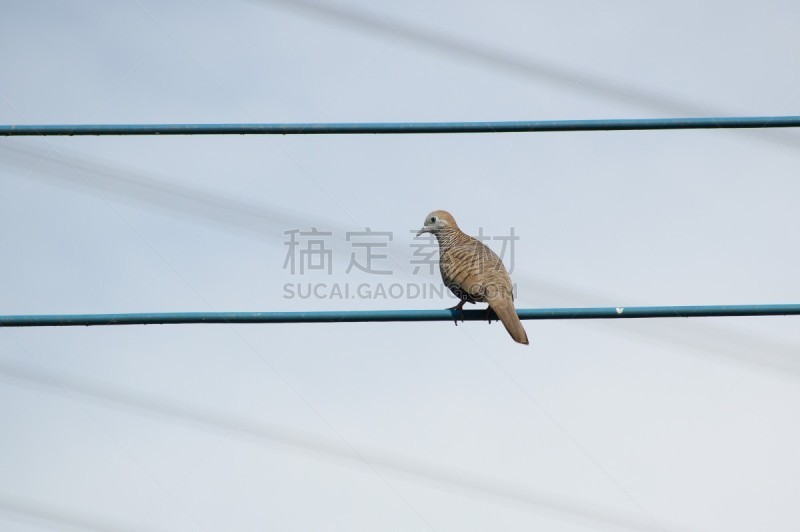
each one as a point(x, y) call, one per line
point(473, 272)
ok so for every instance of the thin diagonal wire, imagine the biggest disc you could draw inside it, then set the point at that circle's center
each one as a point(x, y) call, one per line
point(569, 435)
point(403, 466)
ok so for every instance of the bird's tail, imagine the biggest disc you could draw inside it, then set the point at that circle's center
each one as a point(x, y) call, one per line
point(508, 315)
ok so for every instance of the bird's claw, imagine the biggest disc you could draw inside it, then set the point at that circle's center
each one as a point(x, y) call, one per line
point(460, 308)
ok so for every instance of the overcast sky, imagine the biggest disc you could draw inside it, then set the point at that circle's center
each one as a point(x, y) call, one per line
point(650, 425)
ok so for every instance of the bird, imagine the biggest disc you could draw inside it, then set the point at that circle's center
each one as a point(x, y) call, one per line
point(473, 272)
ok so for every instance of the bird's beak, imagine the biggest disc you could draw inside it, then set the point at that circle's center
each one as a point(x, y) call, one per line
point(423, 230)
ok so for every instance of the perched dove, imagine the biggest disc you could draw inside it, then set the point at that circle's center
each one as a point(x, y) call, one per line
point(473, 272)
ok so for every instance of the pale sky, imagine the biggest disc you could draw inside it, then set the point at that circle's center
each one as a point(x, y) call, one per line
point(653, 425)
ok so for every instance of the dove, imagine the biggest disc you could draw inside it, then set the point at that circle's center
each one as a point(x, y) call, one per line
point(473, 272)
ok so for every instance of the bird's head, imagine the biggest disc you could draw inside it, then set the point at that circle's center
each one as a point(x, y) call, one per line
point(436, 221)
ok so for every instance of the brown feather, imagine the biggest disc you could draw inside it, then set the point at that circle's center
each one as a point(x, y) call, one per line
point(475, 273)
point(508, 315)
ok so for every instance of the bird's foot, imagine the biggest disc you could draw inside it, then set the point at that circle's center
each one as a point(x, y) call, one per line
point(460, 308)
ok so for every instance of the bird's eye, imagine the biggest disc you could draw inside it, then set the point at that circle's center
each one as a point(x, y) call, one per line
point(433, 219)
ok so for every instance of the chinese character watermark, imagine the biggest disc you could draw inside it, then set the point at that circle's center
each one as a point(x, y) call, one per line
point(310, 250)
point(359, 241)
point(314, 249)
point(426, 252)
